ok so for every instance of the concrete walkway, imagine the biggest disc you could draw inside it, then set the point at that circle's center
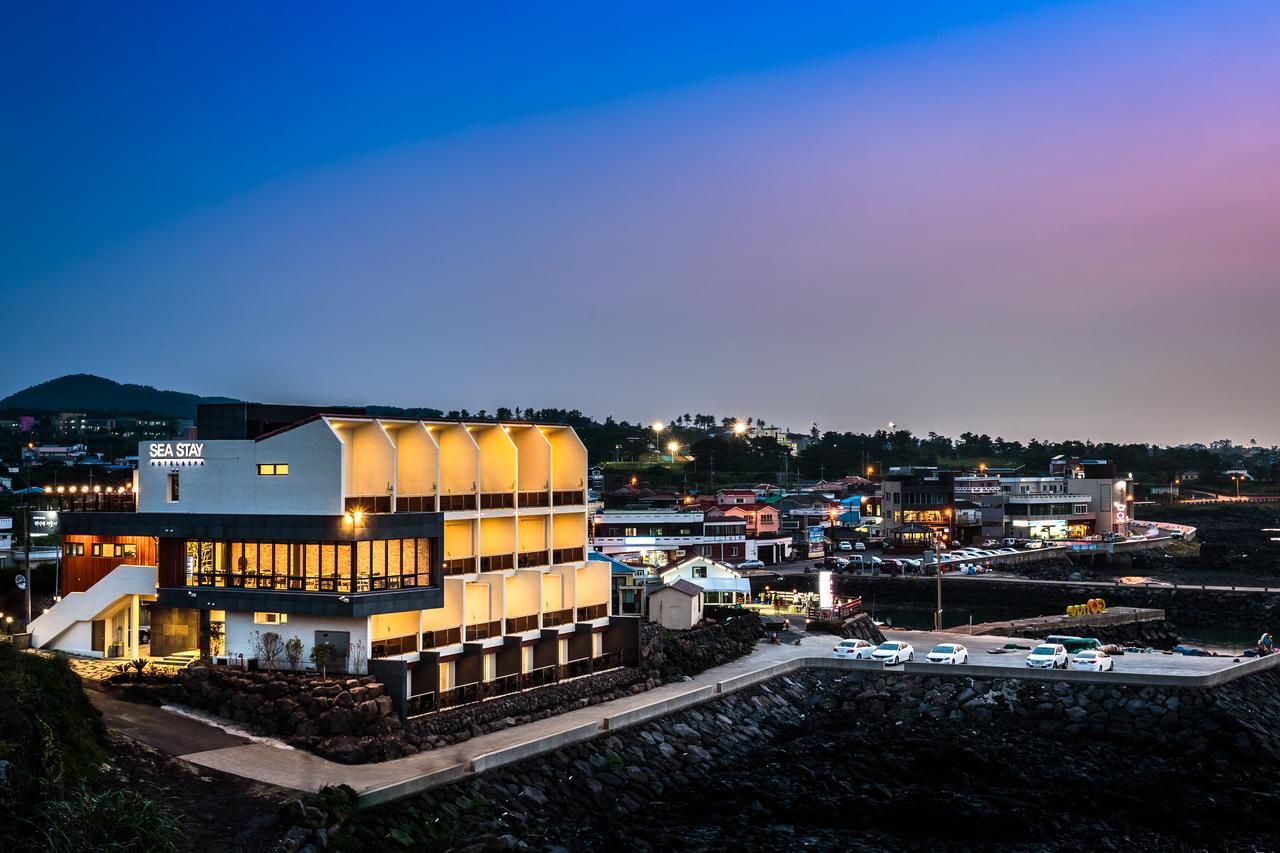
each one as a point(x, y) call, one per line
point(382, 782)
point(389, 780)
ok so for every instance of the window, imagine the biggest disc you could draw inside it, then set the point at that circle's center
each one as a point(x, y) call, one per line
point(628, 531)
point(73, 549)
point(126, 550)
point(270, 618)
point(173, 487)
point(105, 549)
point(273, 469)
point(733, 552)
point(1080, 509)
point(699, 571)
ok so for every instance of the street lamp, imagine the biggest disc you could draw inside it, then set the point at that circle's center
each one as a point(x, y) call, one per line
point(739, 428)
point(658, 427)
point(672, 447)
point(1237, 478)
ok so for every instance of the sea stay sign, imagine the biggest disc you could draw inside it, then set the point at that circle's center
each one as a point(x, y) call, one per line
point(177, 453)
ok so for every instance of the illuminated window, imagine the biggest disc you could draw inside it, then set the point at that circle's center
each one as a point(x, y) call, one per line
point(270, 618)
point(273, 469)
point(173, 487)
point(73, 549)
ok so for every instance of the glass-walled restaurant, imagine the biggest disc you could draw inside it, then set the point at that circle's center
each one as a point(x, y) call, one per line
point(366, 566)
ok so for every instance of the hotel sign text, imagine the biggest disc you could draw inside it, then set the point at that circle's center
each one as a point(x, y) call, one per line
point(177, 453)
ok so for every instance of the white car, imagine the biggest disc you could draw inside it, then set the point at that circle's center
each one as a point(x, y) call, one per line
point(948, 653)
point(1094, 661)
point(859, 546)
point(751, 564)
point(844, 545)
point(893, 652)
point(1048, 656)
point(853, 650)
point(990, 543)
point(1006, 550)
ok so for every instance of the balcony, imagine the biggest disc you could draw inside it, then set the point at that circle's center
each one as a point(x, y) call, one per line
point(568, 555)
point(594, 611)
point(368, 503)
point(497, 563)
point(426, 703)
point(457, 503)
point(533, 559)
point(98, 502)
point(394, 646)
point(497, 500)
point(446, 637)
point(555, 618)
point(571, 497)
point(535, 499)
point(520, 624)
point(459, 566)
point(416, 503)
point(484, 631)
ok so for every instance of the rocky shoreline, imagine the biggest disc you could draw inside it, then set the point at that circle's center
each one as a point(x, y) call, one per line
point(826, 760)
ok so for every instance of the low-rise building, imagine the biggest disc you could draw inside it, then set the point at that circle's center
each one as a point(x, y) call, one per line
point(720, 583)
point(677, 606)
point(660, 536)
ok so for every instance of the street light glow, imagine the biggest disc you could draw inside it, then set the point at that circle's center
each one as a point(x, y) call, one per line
point(739, 427)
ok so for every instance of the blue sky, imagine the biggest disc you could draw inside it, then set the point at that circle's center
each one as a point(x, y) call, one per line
point(489, 205)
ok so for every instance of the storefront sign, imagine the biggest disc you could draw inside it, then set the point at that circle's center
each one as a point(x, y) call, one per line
point(44, 522)
point(177, 453)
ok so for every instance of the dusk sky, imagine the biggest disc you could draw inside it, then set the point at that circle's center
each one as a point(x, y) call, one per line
point(1058, 220)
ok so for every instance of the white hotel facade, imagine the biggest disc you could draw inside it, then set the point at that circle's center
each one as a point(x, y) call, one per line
point(451, 555)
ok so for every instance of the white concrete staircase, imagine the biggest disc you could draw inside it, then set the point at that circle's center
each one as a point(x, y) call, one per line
point(178, 659)
point(79, 608)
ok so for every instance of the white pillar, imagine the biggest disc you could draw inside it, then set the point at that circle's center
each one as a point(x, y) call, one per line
point(135, 613)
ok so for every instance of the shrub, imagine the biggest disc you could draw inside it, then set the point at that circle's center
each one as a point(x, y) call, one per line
point(272, 649)
point(116, 820)
point(293, 652)
point(322, 654)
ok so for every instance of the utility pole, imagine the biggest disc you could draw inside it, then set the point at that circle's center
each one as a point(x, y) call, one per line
point(26, 535)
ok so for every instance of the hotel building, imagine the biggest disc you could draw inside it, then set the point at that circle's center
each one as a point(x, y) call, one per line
point(447, 557)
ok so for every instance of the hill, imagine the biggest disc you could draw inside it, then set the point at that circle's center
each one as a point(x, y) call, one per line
point(94, 395)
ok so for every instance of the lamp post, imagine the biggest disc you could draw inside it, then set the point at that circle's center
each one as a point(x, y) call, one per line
point(1237, 478)
point(672, 447)
point(658, 427)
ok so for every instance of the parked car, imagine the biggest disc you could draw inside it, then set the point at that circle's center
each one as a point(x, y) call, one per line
point(1095, 661)
point(1034, 544)
point(893, 652)
point(1011, 542)
point(991, 543)
point(948, 653)
point(1006, 550)
point(859, 546)
point(837, 563)
point(1048, 656)
point(1176, 534)
point(751, 564)
point(853, 650)
point(1074, 645)
point(844, 545)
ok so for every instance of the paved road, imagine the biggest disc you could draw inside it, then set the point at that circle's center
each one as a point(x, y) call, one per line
point(979, 646)
point(160, 729)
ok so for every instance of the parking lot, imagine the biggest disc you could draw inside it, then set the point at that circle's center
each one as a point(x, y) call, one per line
point(980, 648)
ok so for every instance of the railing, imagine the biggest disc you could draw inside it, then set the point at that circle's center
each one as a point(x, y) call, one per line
point(459, 566)
point(594, 611)
point(568, 555)
point(497, 500)
point(569, 497)
point(484, 631)
point(535, 499)
point(394, 646)
point(368, 503)
point(416, 503)
point(520, 624)
point(554, 618)
point(497, 562)
point(457, 503)
point(444, 637)
point(98, 502)
point(385, 582)
point(426, 703)
point(531, 559)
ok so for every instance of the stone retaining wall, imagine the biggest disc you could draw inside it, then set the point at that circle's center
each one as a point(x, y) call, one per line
point(577, 796)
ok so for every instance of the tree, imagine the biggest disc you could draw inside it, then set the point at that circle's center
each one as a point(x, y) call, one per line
point(322, 654)
point(293, 651)
point(272, 649)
